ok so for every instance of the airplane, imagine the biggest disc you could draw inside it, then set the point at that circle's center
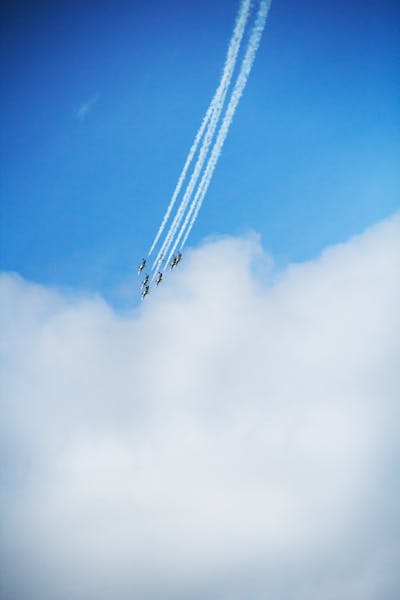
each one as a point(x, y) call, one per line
point(145, 292)
point(145, 280)
point(176, 260)
point(142, 266)
point(159, 278)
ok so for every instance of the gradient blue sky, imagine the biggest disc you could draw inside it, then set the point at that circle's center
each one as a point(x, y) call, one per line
point(101, 101)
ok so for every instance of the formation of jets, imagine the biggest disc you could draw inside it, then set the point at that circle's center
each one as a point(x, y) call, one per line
point(145, 285)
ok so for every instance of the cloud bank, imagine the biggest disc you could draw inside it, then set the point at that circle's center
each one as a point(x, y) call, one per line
point(234, 437)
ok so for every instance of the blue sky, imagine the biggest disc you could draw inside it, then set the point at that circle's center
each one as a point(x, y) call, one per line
point(100, 104)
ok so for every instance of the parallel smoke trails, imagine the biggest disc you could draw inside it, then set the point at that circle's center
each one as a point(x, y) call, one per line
point(237, 92)
point(182, 176)
point(211, 127)
point(219, 99)
point(217, 106)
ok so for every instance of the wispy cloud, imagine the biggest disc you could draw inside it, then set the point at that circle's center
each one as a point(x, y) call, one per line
point(82, 112)
point(230, 439)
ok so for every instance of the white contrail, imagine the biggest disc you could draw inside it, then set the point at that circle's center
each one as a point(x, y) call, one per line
point(215, 110)
point(237, 92)
point(216, 106)
point(182, 176)
point(211, 125)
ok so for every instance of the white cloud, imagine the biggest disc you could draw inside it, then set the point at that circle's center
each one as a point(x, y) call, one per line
point(86, 107)
point(231, 438)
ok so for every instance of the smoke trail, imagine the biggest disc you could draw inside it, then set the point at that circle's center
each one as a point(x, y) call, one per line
point(237, 92)
point(216, 107)
point(182, 176)
point(211, 127)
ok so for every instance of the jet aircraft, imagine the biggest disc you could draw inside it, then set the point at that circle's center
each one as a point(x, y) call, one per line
point(176, 260)
point(145, 292)
point(145, 280)
point(159, 278)
point(142, 266)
